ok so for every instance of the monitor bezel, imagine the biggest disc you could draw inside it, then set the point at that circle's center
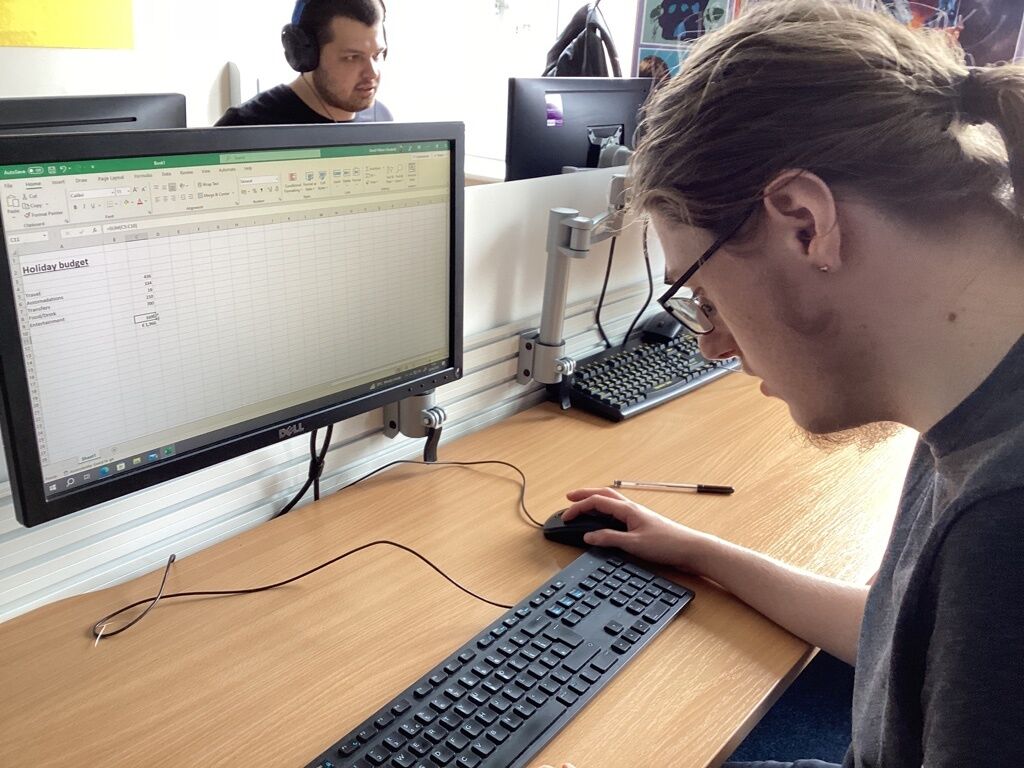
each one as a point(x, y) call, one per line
point(20, 116)
point(527, 104)
point(16, 421)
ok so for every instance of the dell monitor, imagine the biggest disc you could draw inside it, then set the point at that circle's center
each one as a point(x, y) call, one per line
point(559, 122)
point(65, 114)
point(172, 299)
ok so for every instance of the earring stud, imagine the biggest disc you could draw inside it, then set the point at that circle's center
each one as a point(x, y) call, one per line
point(823, 268)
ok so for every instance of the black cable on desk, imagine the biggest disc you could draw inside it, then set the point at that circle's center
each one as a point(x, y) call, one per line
point(99, 628)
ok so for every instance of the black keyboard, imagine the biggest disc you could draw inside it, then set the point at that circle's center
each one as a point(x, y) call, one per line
point(504, 694)
point(628, 380)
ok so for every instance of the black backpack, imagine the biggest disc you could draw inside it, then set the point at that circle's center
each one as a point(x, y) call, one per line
point(582, 47)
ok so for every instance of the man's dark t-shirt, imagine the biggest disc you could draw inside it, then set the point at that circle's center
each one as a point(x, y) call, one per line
point(282, 106)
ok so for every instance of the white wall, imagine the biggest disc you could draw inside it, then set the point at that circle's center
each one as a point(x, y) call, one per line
point(448, 61)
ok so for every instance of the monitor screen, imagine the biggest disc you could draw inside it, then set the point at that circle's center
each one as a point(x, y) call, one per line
point(66, 114)
point(175, 298)
point(555, 122)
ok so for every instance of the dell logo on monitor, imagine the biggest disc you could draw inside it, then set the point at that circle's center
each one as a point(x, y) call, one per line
point(290, 431)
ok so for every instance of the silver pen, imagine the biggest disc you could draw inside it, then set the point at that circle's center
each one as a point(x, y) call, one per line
point(694, 487)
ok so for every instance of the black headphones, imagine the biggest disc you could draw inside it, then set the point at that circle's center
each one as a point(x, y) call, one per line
point(301, 50)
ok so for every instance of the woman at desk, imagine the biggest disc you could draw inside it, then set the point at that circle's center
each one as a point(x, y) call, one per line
point(841, 199)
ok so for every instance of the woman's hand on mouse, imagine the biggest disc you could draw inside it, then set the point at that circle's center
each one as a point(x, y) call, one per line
point(649, 536)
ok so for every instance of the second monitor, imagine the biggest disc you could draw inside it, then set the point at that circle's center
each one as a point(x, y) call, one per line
point(554, 122)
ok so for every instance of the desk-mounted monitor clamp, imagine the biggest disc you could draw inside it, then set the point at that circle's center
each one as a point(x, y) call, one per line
point(542, 355)
point(416, 416)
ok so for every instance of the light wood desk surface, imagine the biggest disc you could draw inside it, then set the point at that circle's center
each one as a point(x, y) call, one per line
point(271, 679)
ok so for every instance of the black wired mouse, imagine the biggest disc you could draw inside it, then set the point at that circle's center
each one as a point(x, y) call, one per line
point(571, 533)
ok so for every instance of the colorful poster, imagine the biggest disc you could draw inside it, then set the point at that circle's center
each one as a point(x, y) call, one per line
point(990, 31)
point(665, 28)
point(66, 23)
point(660, 63)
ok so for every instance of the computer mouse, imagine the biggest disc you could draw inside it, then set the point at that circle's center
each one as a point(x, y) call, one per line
point(572, 532)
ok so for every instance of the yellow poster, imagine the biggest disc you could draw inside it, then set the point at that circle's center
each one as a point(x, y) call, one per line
point(66, 23)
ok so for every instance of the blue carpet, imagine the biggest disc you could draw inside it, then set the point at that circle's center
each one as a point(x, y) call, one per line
point(811, 720)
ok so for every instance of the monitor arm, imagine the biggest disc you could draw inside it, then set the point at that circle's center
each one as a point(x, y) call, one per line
point(570, 236)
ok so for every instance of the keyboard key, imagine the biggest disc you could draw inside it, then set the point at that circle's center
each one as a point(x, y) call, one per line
point(535, 626)
point(411, 729)
point(440, 705)
point(468, 761)
point(486, 716)
point(403, 760)
point(655, 612)
point(568, 698)
point(401, 707)
point(457, 742)
point(613, 628)
point(571, 620)
point(425, 717)
point(630, 636)
point(349, 747)
point(366, 734)
point(393, 742)
point(525, 710)
point(420, 747)
point(620, 646)
point(451, 721)
point(442, 756)
point(436, 734)
point(604, 661)
point(472, 729)
point(378, 756)
point(467, 656)
point(640, 627)
point(464, 709)
point(497, 734)
point(561, 634)
point(482, 748)
point(384, 721)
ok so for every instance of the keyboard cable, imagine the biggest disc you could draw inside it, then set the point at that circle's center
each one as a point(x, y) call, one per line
point(99, 628)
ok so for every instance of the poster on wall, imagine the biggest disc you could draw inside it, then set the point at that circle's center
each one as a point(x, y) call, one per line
point(666, 28)
point(66, 23)
point(990, 31)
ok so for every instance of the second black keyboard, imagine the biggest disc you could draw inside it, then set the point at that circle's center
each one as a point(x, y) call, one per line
point(628, 380)
point(498, 699)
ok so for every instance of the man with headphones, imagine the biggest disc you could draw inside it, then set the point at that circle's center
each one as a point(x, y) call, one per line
point(337, 47)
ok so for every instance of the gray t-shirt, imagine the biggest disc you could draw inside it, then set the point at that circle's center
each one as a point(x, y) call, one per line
point(940, 666)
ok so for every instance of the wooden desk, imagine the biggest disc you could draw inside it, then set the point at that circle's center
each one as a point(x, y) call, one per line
point(271, 679)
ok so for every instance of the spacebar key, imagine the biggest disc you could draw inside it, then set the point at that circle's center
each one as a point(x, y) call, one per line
point(523, 738)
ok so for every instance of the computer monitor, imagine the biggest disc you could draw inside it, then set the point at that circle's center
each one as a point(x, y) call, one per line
point(555, 122)
point(172, 299)
point(64, 114)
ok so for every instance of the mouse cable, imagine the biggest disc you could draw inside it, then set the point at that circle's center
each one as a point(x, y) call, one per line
point(650, 285)
point(522, 477)
point(99, 628)
point(604, 289)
